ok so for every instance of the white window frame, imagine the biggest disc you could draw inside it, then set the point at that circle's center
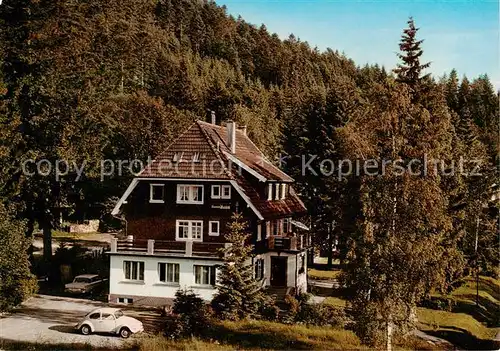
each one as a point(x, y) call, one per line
point(151, 192)
point(283, 191)
point(210, 232)
point(270, 192)
point(175, 267)
point(210, 275)
point(277, 191)
point(213, 195)
point(190, 230)
point(223, 188)
point(191, 192)
point(138, 270)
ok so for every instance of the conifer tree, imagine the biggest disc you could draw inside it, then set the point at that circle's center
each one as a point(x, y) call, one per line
point(410, 70)
point(239, 295)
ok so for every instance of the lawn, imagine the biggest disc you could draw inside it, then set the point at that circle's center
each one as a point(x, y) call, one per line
point(260, 335)
point(323, 274)
point(466, 324)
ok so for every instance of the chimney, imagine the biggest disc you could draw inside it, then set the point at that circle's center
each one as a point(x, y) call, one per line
point(212, 115)
point(231, 136)
point(244, 130)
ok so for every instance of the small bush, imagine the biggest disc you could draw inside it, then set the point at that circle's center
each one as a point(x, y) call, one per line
point(321, 315)
point(268, 310)
point(439, 303)
point(191, 316)
point(292, 306)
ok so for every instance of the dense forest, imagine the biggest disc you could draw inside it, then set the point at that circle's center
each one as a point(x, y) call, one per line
point(91, 80)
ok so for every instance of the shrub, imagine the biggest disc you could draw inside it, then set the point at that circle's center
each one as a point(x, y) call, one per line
point(192, 317)
point(292, 306)
point(268, 310)
point(321, 315)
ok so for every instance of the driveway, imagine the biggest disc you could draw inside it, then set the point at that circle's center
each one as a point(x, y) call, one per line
point(49, 320)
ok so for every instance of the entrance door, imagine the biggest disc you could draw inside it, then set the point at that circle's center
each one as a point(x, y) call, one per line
point(278, 270)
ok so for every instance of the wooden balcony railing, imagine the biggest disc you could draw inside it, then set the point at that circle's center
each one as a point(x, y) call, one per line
point(153, 247)
point(293, 243)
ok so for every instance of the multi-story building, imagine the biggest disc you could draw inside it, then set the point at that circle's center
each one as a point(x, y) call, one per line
point(176, 213)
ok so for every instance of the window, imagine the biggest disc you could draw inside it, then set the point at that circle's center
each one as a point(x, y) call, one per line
point(277, 191)
point(270, 192)
point(178, 156)
point(96, 315)
point(302, 266)
point(221, 192)
point(156, 193)
point(259, 232)
point(204, 275)
point(123, 300)
point(259, 269)
point(196, 157)
point(189, 194)
point(226, 191)
point(189, 230)
point(108, 316)
point(283, 191)
point(214, 228)
point(287, 227)
point(215, 191)
point(168, 272)
point(134, 270)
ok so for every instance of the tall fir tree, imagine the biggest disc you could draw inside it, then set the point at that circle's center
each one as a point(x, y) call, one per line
point(238, 295)
point(410, 70)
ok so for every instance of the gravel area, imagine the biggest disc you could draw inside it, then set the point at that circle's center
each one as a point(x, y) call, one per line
point(49, 320)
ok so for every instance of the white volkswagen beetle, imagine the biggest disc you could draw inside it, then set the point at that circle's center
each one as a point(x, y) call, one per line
point(109, 320)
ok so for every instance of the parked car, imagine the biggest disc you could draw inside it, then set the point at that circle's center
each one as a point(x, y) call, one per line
point(109, 320)
point(85, 283)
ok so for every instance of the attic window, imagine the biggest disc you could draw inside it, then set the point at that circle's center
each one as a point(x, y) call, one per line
point(156, 193)
point(283, 191)
point(196, 157)
point(178, 156)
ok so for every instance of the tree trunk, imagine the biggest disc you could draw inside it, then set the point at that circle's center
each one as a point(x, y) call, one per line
point(330, 249)
point(47, 241)
point(389, 335)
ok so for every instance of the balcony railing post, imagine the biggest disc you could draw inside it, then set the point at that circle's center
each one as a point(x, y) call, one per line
point(189, 248)
point(151, 246)
point(130, 241)
point(114, 244)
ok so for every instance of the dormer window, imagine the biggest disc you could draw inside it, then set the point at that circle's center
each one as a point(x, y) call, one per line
point(283, 191)
point(178, 156)
point(156, 193)
point(196, 157)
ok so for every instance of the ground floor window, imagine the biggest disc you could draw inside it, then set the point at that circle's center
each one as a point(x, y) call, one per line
point(204, 275)
point(259, 269)
point(168, 272)
point(133, 270)
point(125, 300)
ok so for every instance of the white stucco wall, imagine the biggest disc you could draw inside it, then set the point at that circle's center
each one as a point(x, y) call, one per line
point(151, 286)
point(292, 261)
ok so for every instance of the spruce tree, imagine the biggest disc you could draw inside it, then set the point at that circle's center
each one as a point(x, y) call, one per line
point(410, 70)
point(239, 295)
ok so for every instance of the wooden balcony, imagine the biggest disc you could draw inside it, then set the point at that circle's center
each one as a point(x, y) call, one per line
point(164, 247)
point(291, 243)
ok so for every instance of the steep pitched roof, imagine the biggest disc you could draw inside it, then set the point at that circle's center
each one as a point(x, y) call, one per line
point(193, 141)
point(246, 152)
point(217, 162)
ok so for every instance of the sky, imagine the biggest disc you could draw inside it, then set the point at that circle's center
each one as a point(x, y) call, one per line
point(458, 34)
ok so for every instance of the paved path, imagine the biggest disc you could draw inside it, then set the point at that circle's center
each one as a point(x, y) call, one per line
point(50, 319)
